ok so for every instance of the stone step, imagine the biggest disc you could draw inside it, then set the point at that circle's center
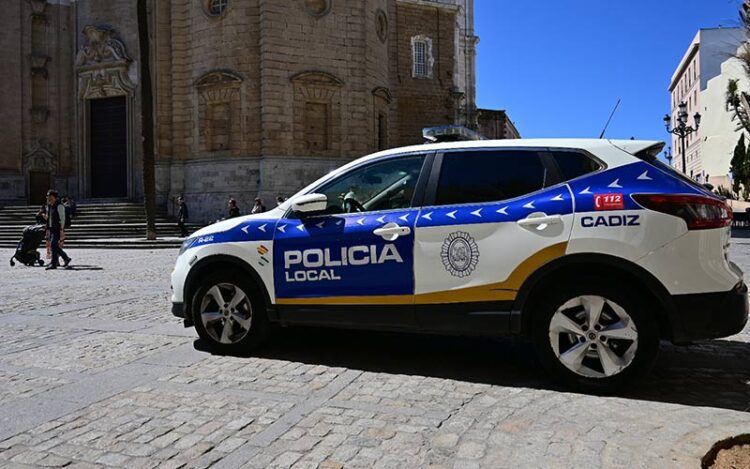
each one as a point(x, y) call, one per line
point(96, 225)
point(112, 243)
point(16, 235)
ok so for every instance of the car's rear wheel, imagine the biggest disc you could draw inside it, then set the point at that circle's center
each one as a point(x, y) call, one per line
point(229, 312)
point(595, 337)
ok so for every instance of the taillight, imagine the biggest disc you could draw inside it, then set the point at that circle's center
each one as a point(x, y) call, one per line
point(699, 212)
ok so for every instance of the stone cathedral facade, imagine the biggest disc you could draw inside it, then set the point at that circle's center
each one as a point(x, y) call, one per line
point(251, 97)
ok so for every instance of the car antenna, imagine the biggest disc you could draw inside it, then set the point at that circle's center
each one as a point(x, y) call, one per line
point(610, 118)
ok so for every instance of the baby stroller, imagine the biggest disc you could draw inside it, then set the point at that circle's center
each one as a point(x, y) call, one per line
point(26, 251)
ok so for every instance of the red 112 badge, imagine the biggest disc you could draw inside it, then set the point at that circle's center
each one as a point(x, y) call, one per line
point(609, 202)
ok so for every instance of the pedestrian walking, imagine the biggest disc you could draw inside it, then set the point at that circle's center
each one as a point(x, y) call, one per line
point(234, 210)
point(182, 216)
point(56, 230)
point(258, 207)
point(73, 206)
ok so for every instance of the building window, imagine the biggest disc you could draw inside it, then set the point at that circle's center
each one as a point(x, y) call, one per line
point(381, 25)
point(218, 111)
point(422, 60)
point(318, 7)
point(217, 126)
point(215, 7)
point(316, 126)
point(382, 131)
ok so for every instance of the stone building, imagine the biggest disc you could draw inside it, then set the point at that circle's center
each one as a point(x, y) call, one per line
point(496, 123)
point(250, 96)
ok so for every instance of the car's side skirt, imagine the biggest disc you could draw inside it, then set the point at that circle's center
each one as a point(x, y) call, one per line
point(485, 318)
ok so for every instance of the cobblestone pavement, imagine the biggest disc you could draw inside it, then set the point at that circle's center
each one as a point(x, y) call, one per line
point(94, 371)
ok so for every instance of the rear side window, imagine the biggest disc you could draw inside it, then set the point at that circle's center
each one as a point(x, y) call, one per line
point(573, 164)
point(486, 176)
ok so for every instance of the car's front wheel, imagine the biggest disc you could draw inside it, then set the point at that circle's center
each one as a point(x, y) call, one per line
point(595, 337)
point(229, 313)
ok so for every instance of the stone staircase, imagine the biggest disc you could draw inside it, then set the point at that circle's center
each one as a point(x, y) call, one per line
point(110, 225)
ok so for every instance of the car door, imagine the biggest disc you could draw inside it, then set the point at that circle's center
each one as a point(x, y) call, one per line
point(491, 218)
point(354, 263)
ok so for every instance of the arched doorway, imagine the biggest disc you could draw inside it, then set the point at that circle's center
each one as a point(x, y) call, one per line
point(107, 98)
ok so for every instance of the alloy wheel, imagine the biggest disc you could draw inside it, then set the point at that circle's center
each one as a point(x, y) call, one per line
point(593, 336)
point(226, 313)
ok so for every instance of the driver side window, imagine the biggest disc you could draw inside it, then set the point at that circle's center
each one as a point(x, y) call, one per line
point(385, 185)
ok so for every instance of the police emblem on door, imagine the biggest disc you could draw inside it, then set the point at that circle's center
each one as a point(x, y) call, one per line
point(460, 254)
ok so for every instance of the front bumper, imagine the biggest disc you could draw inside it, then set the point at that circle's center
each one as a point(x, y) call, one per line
point(709, 315)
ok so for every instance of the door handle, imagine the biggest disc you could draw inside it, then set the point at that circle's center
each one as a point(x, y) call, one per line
point(540, 220)
point(391, 231)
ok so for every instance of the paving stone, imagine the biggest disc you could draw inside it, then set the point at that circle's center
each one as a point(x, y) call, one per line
point(464, 403)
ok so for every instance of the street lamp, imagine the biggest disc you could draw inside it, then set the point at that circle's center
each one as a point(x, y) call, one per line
point(681, 128)
point(668, 155)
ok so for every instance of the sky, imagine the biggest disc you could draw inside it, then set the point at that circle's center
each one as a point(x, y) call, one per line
point(558, 66)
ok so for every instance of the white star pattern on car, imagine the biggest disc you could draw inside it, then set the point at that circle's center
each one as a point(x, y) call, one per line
point(644, 177)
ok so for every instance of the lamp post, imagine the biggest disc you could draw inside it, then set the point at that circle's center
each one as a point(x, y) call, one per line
point(681, 129)
point(668, 155)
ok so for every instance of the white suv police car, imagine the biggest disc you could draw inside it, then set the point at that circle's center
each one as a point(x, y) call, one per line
point(593, 249)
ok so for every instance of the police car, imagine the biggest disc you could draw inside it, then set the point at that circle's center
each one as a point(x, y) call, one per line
point(592, 249)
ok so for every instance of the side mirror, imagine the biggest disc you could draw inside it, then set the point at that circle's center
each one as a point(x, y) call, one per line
point(310, 203)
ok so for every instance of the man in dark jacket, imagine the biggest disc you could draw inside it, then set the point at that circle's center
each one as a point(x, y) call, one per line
point(56, 229)
point(234, 210)
point(182, 216)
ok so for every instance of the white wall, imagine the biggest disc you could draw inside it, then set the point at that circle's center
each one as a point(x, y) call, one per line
point(718, 130)
point(717, 46)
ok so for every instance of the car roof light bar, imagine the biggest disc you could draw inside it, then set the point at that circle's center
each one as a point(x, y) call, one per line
point(450, 133)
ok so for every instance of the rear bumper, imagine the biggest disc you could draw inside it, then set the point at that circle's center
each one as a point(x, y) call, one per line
point(709, 315)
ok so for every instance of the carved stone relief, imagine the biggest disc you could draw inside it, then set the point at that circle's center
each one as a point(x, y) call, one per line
point(103, 64)
point(40, 158)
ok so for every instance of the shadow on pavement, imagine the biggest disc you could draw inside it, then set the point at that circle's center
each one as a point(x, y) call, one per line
point(83, 267)
point(741, 232)
point(712, 373)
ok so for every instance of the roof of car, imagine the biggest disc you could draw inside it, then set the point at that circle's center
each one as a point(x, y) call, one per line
point(631, 146)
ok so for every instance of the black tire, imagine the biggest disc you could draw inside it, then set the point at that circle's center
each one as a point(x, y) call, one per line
point(623, 294)
point(259, 329)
